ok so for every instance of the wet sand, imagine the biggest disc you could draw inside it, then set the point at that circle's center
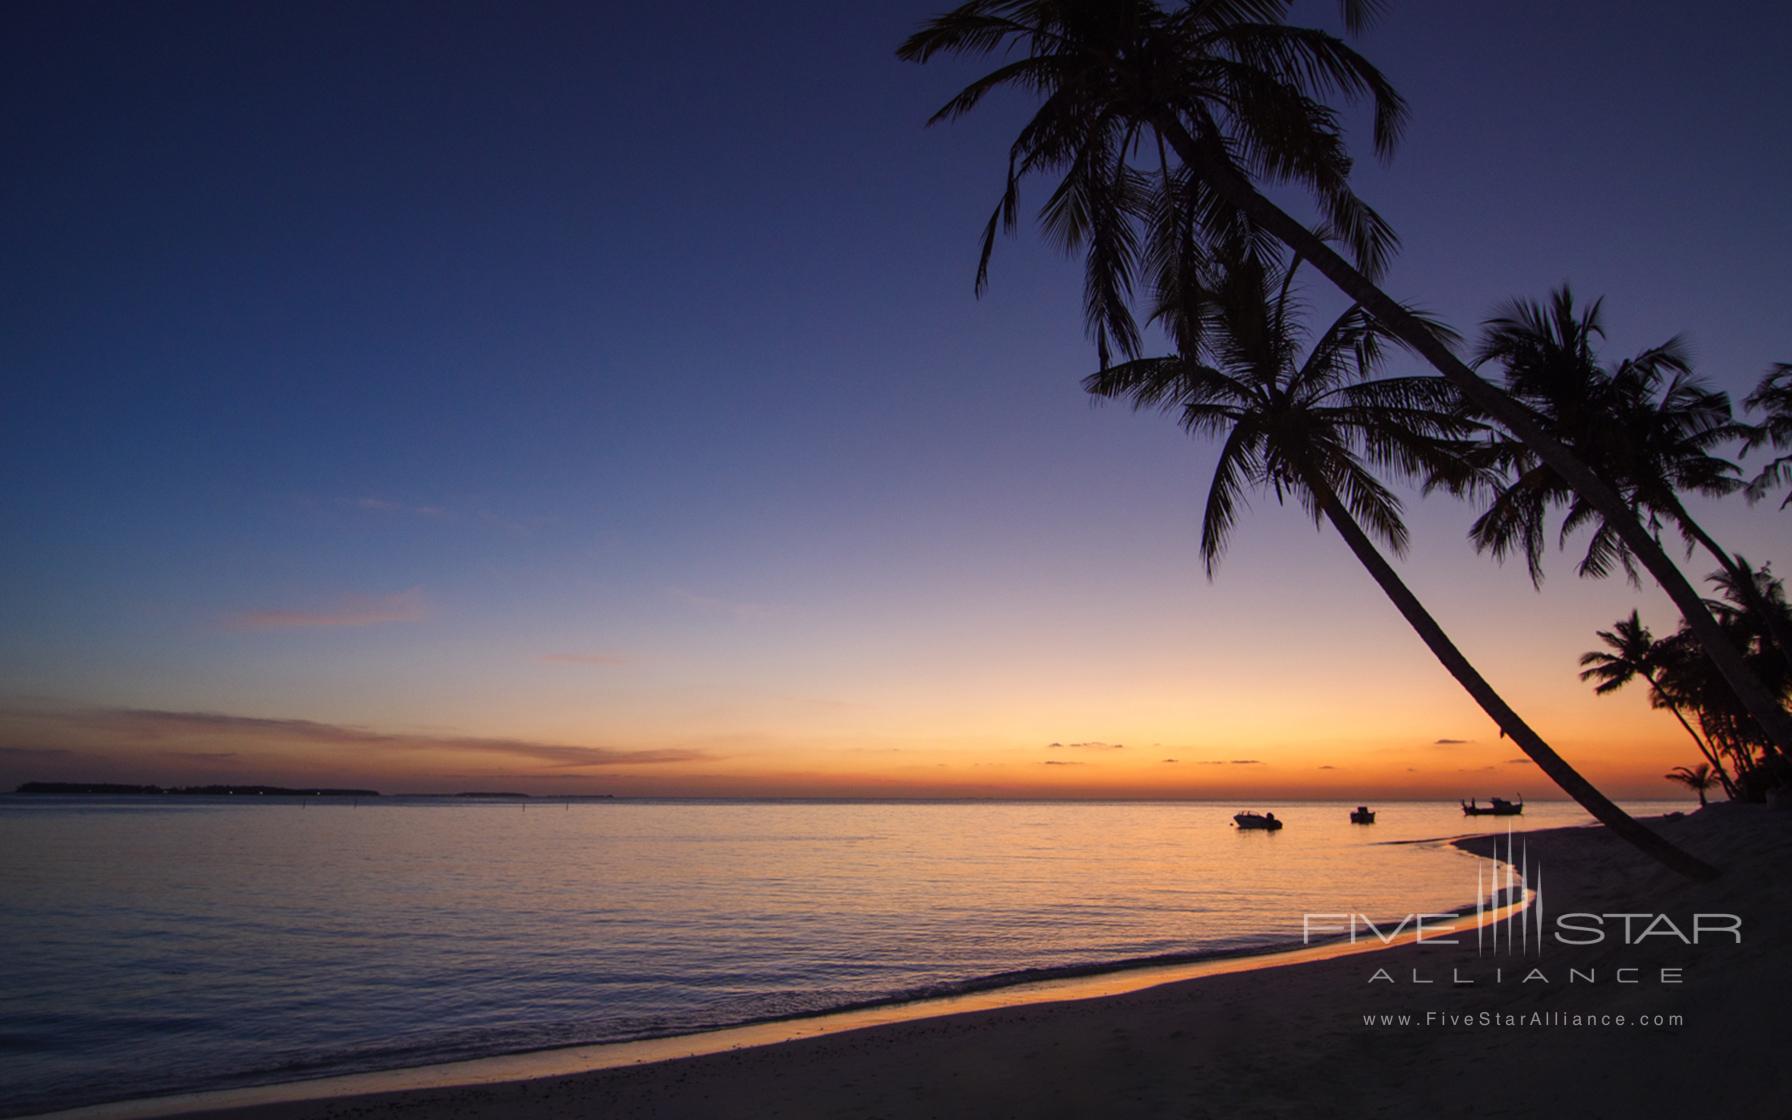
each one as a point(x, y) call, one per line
point(1289, 1039)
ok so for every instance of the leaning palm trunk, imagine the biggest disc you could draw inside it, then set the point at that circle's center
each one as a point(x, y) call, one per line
point(1540, 752)
point(1711, 755)
point(1719, 736)
point(1216, 171)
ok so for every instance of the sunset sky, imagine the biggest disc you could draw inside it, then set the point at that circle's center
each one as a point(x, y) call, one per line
point(450, 396)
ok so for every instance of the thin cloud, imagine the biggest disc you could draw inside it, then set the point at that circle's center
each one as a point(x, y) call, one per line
point(349, 611)
point(139, 725)
point(34, 752)
point(1246, 762)
point(1450, 742)
point(1092, 745)
point(584, 659)
point(202, 756)
point(1169, 760)
point(1520, 762)
point(1328, 767)
point(1061, 762)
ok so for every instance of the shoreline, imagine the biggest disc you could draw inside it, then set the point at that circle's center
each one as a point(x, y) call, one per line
point(1019, 988)
point(1240, 1021)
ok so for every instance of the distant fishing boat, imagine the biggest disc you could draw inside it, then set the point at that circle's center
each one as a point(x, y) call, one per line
point(1362, 814)
point(1256, 820)
point(1498, 807)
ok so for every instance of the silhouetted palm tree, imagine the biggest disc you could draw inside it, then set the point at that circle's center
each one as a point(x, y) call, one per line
point(1315, 428)
point(1633, 652)
point(1647, 424)
point(1698, 778)
point(1238, 98)
point(1753, 606)
point(1772, 396)
point(1689, 679)
point(1764, 590)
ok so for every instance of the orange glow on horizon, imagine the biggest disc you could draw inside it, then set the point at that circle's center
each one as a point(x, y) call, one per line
point(173, 748)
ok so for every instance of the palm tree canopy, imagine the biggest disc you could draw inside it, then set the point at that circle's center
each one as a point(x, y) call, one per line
point(1294, 415)
point(1688, 678)
point(1113, 77)
point(1749, 594)
point(1772, 396)
point(1632, 653)
point(1693, 777)
point(1647, 424)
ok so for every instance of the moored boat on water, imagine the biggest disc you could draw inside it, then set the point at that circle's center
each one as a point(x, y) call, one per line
point(1362, 814)
point(1496, 807)
point(1266, 821)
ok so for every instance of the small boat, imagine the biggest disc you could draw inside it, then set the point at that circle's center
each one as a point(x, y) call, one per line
point(1497, 807)
point(1257, 820)
point(1362, 814)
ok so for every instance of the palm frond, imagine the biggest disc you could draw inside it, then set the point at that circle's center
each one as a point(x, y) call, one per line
point(977, 27)
point(1239, 460)
point(1113, 79)
point(1512, 523)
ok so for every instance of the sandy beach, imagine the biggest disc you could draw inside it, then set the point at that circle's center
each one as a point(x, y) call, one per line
point(1288, 1040)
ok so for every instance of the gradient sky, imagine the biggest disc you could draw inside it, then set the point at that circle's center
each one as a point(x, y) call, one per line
point(437, 396)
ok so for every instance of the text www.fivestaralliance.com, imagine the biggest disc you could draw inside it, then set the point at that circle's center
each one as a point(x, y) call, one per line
point(1433, 1020)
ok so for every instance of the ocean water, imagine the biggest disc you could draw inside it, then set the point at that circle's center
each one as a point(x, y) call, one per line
point(170, 944)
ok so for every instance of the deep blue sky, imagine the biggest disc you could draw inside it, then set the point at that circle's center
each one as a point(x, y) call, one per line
point(647, 333)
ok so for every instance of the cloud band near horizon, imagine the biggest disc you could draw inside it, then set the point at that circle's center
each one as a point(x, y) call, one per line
point(138, 727)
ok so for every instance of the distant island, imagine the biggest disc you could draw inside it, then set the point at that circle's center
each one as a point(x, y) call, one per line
point(113, 789)
point(117, 789)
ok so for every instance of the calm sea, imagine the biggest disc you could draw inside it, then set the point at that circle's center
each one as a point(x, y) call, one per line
point(151, 946)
